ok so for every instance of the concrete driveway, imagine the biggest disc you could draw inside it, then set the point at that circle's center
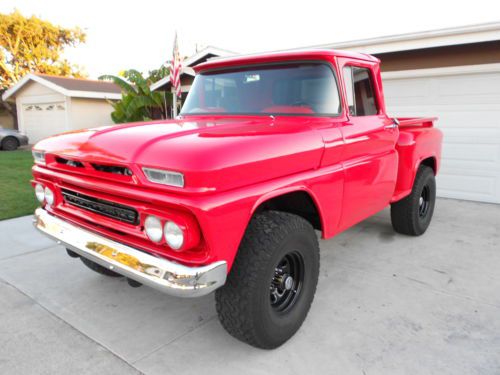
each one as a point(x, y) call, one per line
point(386, 304)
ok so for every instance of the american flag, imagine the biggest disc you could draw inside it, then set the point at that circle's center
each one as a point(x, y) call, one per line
point(175, 69)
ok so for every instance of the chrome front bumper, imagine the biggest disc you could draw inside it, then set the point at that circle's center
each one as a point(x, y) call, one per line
point(159, 273)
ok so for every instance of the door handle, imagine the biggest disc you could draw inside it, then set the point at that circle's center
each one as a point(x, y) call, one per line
point(394, 125)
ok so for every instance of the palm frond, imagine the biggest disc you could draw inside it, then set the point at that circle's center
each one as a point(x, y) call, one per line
point(124, 85)
point(137, 79)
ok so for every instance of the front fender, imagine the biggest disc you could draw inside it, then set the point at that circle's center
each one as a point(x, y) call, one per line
point(287, 190)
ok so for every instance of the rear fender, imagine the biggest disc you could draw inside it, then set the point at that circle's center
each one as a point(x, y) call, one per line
point(414, 146)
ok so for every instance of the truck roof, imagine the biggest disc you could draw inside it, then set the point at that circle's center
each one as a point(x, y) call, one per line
point(271, 57)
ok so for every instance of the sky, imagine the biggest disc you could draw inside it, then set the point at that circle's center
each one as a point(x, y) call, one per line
point(139, 34)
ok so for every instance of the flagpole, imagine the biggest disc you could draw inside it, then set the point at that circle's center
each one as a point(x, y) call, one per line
point(175, 76)
point(174, 103)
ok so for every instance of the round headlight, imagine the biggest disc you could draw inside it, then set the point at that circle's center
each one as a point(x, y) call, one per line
point(49, 196)
point(40, 193)
point(153, 228)
point(173, 235)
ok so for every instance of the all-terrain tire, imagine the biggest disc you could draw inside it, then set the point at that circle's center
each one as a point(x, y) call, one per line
point(412, 214)
point(10, 144)
point(248, 305)
point(99, 269)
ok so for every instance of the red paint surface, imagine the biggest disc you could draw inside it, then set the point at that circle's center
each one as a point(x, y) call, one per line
point(351, 167)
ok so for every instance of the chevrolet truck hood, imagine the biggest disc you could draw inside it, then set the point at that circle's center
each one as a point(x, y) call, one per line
point(217, 153)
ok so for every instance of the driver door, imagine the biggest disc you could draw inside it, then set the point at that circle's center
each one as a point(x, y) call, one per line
point(370, 159)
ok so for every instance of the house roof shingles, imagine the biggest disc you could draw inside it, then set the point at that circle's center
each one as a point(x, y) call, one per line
point(72, 87)
point(82, 84)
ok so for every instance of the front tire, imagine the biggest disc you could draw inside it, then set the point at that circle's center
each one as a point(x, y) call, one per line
point(272, 282)
point(412, 214)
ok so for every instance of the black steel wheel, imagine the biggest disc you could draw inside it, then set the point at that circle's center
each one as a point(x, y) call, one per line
point(287, 281)
point(424, 202)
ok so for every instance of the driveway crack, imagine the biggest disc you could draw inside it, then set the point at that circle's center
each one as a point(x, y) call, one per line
point(116, 355)
point(174, 339)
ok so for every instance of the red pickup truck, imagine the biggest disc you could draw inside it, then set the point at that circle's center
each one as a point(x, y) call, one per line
point(227, 197)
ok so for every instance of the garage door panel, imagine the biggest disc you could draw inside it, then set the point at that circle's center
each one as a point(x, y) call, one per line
point(467, 85)
point(471, 152)
point(42, 120)
point(406, 89)
point(463, 134)
point(465, 100)
point(414, 109)
point(470, 119)
point(468, 107)
point(480, 188)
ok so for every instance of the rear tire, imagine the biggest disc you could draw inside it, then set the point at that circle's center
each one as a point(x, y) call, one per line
point(412, 214)
point(99, 269)
point(272, 282)
point(10, 144)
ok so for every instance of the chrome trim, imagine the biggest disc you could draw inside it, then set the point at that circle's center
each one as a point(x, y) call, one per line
point(391, 126)
point(167, 276)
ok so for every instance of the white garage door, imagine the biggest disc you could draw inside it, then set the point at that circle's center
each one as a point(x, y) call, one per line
point(468, 107)
point(43, 120)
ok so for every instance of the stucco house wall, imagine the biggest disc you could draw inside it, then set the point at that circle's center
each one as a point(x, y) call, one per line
point(89, 113)
point(6, 120)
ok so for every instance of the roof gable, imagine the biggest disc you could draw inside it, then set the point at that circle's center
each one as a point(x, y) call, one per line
point(71, 87)
point(78, 84)
point(188, 64)
point(205, 54)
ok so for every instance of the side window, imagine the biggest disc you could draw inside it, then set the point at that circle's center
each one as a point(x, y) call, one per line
point(360, 92)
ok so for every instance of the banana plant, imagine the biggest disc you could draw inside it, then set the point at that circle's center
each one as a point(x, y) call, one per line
point(138, 102)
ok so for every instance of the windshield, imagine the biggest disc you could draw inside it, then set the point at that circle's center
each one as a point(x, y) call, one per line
point(298, 89)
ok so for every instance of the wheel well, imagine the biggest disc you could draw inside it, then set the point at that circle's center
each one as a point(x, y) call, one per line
point(299, 203)
point(430, 162)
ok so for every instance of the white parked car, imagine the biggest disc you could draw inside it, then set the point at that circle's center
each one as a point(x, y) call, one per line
point(11, 139)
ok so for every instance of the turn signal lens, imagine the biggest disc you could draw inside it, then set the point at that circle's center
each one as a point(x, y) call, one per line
point(173, 235)
point(49, 196)
point(39, 157)
point(164, 177)
point(153, 228)
point(40, 193)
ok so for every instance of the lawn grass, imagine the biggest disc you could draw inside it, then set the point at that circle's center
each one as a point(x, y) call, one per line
point(17, 197)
